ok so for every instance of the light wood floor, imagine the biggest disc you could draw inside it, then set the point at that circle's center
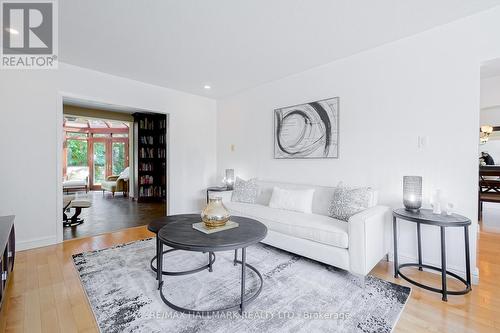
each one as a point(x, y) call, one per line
point(46, 295)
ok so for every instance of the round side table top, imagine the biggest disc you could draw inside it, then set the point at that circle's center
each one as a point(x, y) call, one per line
point(181, 235)
point(157, 224)
point(426, 216)
point(217, 188)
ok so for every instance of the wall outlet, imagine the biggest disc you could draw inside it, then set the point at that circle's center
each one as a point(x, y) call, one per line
point(423, 142)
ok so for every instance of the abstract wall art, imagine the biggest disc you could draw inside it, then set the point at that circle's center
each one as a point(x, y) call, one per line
point(308, 130)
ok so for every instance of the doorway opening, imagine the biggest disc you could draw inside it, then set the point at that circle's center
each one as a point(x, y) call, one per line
point(114, 167)
point(489, 171)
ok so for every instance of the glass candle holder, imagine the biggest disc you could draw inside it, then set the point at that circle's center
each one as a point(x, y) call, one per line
point(412, 192)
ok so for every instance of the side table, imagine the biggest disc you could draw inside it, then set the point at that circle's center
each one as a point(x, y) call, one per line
point(216, 189)
point(425, 216)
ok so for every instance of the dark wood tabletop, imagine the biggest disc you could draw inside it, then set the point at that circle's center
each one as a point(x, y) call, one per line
point(159, 223)
point(181, 235)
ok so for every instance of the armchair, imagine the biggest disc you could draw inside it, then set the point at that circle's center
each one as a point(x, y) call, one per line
point(115, 184)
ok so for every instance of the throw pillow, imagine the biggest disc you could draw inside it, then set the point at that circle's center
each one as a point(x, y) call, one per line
point(296, 200)
point(349, 201)
point(245, 191)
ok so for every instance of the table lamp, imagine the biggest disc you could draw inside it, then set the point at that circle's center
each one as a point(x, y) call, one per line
point(412, 193)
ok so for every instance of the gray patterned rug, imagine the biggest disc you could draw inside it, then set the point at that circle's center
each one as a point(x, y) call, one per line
point(299, 295)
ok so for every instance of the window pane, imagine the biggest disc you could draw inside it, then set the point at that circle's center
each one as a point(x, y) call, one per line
point(119, 157)
point(77, 152)
point(99, 162)
point(120, 135)
point(76, 135)
point(101, 135)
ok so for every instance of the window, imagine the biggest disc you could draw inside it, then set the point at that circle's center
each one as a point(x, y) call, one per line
point(76, 135)
point(77, 153)
point(95, 149)
point(77, 160)
point(99, 162)
point(119, 157)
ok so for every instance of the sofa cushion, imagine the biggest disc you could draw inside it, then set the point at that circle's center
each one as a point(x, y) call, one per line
point(109, 185)
point(74, 183)
point(296, 200)
point(322, 197)
point(314, 227)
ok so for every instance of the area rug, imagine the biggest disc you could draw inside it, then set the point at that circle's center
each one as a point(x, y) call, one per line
point(299, 295)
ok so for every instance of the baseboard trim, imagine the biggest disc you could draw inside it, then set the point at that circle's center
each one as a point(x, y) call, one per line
point(35, 242)
point(405, 259)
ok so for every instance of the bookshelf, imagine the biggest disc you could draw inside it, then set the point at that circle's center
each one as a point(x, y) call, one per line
point(150, 157)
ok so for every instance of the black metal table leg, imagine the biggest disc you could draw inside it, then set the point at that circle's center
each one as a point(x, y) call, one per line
point(243, 277)
point(210, 261)
point(419, 242)
point(395, 233)
point(443, 264)
point(235, 257)
point(159, 248)
point(159, 265)
point(467, 256)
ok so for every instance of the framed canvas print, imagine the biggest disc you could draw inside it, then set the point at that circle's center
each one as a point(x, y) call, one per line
point(308, 130)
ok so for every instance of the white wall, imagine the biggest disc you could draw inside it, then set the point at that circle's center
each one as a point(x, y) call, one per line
point(490, 92)
point(490, 101)
point(30, 139)
point(425, 85)
point(490, 116)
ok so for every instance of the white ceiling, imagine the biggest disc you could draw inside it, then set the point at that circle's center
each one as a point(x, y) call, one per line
point(235, 44)
point(490, 69)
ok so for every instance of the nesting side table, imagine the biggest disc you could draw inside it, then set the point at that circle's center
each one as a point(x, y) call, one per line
point(425, 216)
point(216, 189)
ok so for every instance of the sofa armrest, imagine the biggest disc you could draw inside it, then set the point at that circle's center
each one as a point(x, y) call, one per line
point(368, 238)
point(112, 178)
point(225, 195)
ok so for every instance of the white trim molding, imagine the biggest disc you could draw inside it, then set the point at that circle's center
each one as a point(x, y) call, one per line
point(36, 242)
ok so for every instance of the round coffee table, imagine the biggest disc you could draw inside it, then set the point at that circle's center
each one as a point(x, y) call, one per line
point(180, 235)
point(155, 227)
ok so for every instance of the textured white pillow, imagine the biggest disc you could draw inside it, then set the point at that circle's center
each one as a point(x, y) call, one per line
point(348, 201)
point(296, 200)
point(245, 191)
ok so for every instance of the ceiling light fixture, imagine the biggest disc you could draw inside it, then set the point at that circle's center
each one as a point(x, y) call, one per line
point(12, 31)
point(484, 134)
point(207, 87)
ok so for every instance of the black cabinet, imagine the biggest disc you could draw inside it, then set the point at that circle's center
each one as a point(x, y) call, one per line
point(8, 250)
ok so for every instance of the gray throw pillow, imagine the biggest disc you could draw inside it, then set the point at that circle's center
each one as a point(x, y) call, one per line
point(245, 191)
point(347, 202)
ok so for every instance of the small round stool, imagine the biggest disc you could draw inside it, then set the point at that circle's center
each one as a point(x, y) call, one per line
point(156, 225)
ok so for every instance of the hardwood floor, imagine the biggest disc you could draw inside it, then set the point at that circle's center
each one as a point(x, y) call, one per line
point(110, 213)
point(45, 294)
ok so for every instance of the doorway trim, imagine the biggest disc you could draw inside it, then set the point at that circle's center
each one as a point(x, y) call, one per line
point(61, 95)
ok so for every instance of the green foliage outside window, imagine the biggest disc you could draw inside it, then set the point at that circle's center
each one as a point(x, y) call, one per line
point(118, 158)
point(77, 153)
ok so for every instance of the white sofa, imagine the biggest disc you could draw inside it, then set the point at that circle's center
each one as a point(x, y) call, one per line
point(356, 246)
